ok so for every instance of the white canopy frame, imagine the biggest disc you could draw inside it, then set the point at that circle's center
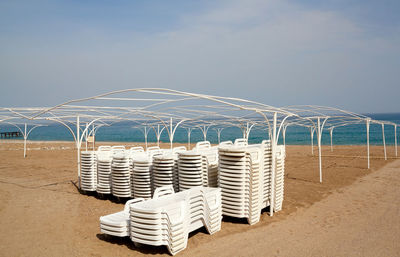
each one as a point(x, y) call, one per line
point(169, 109)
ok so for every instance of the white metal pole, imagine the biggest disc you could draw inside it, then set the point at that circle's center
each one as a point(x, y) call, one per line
point(367, 122)
point(145, 137)
point(246, 135)
point(219, 135)
point(312, 140)
point(395, 140)
point(86, 137)
point(78, 149)
point(273, 166)
point(171, 133)
point(25, 137)
point(158, 135)
point(384, 141)
point(331, 133)
point(93, 135)
point(284, 135)
point(204, 133)
point(319, 150)
point(189, 132)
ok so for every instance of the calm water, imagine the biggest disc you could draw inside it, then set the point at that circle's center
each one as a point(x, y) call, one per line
point(349, 135)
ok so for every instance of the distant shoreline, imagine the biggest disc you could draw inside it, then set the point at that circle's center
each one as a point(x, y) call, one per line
point(16, 141)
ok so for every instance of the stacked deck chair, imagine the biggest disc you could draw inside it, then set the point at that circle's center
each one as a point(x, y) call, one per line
point(133, 152)
point(141, 176)
point(175, 175)
point(168, 220)
point(153, 150)
point(267, 167)
point(209, 163)
point(280, 175)
point(245, 178)
point(198, 167)
point(118, 224)
point(104, 160)
point(121, 173)
point(163, 170)
point(88, 171)
point(240, 180)
point(190, 170)
point(225, 143)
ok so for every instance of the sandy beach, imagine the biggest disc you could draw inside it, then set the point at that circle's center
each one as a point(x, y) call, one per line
point(354, 212)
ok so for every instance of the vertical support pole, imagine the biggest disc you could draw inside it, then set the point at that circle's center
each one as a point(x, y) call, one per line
point(395, 139)
point(189, 132)
point(171, 136)
point(384, 141)
point(284, 135)
point(273, 166)
point(145, 137)
point(319, 150)
point(158, 135)
point(86, 136)
point(367, 123)
point(204, 133)
point(312, 140)
point(93, 134)
point(331, 133)
point(219, 135)
point(25, 137)
point(78, 149)
point(247, 131)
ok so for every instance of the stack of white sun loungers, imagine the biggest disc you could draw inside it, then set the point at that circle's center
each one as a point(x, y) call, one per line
point(88, 171)
point(121, 173)
point(198, 167)
point(104, 160)
point(267, 168)
point(141, 176)
point(279, 178)
point(175, 175)
point(240, 179)
point(245, 179)
point(118, 224)
point(163, 170)
point(168, 220)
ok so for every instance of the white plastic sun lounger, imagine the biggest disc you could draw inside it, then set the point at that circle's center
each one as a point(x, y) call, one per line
point(168, 220)
point(118, 224)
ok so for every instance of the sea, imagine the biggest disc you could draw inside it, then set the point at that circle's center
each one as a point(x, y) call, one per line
point(295, 135)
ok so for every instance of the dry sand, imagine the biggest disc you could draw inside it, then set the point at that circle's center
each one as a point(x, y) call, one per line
point(355, 212)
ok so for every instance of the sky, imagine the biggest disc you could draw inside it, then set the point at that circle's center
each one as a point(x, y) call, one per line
point(339, 53)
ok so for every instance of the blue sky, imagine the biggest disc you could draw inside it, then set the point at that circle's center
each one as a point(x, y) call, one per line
point(337, 53)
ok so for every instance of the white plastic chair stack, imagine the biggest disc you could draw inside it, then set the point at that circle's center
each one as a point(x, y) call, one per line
point(190, 170)
point(163, 169)
point(210, 166)
point(175, 174)
point(141, 176)
point(121, 174)
point(134, 151)
point(168, 220)
point(153, 150)
point(201, 161)
point(241, 142)
point(88, 171)
point(225, 143)
point(240, 180)
point(118, 224)
point(280, 175)
point(104, 160)
point(267, 166)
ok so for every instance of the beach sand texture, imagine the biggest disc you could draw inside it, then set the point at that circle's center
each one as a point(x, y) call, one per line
point(355, 212)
